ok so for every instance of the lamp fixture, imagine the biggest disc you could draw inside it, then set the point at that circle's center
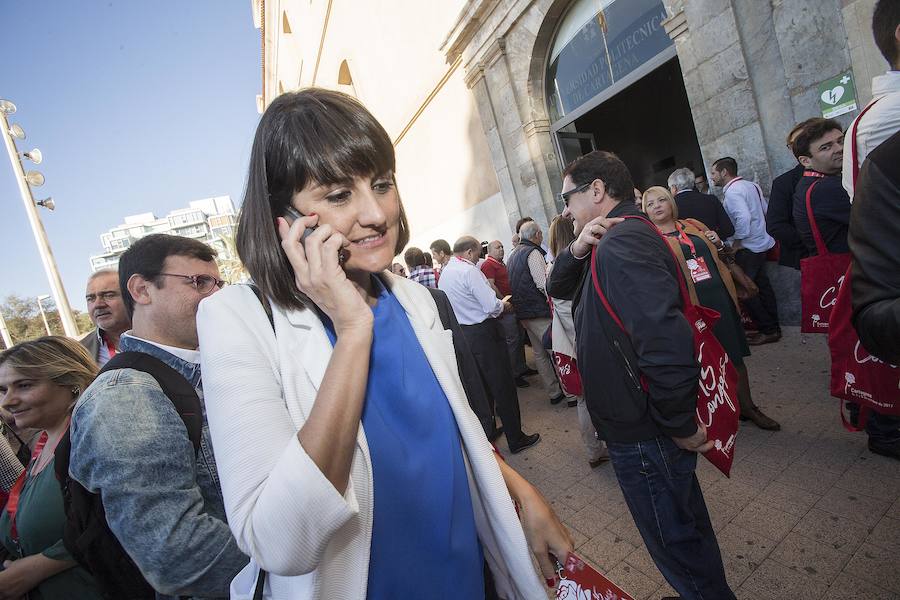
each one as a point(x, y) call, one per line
point(34, 156)
point(47, 203)
point(16, 131)
point(34, 178)
point(7, 107)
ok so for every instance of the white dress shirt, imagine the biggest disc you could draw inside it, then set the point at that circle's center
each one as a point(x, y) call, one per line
point(471, 296)
point(878, 124)
point(746, 207)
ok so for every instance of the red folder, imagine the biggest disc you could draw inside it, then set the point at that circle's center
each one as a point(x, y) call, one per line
point(580, 581)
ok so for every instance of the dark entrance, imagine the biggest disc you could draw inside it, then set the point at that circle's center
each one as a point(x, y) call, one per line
point(648, 125)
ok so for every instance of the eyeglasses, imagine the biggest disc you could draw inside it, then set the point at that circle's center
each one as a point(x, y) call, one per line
point(564, 196)
point(202, 283)
point(105, 296)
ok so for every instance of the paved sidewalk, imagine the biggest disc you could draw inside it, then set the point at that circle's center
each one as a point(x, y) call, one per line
point(808, 513)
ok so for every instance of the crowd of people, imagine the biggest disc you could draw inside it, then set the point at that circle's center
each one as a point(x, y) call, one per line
point(352, 401)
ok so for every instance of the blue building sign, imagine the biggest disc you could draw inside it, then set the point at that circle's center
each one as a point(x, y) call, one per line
point(609, 46)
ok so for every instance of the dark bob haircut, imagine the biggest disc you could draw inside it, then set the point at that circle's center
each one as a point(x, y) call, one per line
point(310, 137)
point(147, 258)
point(608, 168)
point(812, 131)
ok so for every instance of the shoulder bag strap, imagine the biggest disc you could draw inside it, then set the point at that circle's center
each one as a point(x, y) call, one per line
point(821, 249)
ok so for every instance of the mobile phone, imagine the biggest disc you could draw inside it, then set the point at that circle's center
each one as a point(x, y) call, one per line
point(291, 214)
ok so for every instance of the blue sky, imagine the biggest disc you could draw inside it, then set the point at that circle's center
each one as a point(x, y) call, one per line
point(137, 107)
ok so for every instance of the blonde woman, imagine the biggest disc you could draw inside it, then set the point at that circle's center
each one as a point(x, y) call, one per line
point(696, 248)
point(40, 381)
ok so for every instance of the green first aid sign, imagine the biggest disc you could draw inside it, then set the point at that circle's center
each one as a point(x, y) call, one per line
point(837, 95)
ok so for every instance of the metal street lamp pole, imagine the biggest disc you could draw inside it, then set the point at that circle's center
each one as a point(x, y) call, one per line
point(43, 314)
point(40, 236)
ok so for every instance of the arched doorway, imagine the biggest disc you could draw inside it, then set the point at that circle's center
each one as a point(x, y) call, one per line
point(612, 81)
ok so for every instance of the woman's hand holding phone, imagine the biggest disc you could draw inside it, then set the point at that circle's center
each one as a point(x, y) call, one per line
point(313, 252)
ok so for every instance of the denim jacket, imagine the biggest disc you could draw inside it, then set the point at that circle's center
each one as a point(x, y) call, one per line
point(162, 503)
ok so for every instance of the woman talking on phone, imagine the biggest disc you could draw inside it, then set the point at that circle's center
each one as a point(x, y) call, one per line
point(351, 463)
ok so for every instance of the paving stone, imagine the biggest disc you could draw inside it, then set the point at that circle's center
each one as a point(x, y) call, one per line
point(745, 546)
point(840, 533)
point(766, 520)
point(632, 580)
point(776, 581)
point(607, 549)
point(861, 477)
point(886, 534)
point(590, 520)
point(851, 587)
point(876, 565)
point(853, 505)
point(788, 498)
point(577, 496)
point(810, 479)
point(640, 559)
point(626, 529)
point(810, 557)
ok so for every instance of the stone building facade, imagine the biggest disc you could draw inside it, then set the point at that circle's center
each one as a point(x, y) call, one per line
point(487, 100)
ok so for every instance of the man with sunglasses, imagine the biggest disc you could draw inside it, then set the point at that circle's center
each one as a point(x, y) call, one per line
point(107, 312)
point(640, 378)
point(132, 445)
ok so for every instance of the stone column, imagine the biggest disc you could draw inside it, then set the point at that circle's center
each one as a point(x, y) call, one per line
point(865, 57)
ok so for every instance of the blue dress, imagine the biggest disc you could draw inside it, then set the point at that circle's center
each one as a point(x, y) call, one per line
point(424, 541)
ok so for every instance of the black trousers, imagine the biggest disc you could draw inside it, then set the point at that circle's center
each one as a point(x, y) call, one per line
point(763, 307)
point(488, 345)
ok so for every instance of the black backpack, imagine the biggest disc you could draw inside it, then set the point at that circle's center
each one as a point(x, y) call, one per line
point(87, 536)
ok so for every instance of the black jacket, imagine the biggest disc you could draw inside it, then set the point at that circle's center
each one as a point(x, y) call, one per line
point(465, 360)
point(875, 248)
point(830, 208)
point(780, 218)
point(638, 277)
point(707, 209)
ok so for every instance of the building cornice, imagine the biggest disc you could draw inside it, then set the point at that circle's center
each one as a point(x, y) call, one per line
point(467, 24)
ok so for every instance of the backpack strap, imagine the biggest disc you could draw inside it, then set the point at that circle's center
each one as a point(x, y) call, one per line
point(265, 304)
point(176, 388)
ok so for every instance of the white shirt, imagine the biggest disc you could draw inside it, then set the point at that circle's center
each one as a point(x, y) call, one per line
point(746, 207)
point(470, 294)
point(878, 124)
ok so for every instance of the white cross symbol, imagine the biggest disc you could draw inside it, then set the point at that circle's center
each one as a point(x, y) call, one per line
point(845, 79)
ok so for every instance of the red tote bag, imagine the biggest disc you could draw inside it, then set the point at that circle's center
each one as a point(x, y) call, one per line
point(820, 276)
point(717, 406)
point(856, 375)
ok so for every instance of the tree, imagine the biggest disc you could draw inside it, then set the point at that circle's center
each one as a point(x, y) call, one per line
point(23, 318)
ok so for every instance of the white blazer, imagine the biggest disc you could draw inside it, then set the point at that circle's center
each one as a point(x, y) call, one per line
point(259, 388)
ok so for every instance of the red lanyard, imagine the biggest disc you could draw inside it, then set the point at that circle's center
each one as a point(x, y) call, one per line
point(12, 505)
point(809, 173)
point(684, 239)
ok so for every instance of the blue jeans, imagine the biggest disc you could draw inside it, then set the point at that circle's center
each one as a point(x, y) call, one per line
point(664, 497)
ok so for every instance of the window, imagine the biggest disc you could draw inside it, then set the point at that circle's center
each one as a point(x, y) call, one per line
point(594, 49)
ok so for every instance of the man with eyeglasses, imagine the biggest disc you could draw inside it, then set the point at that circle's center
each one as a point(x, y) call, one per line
point(107, 312)
point(151, 466)
point(640, 378)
